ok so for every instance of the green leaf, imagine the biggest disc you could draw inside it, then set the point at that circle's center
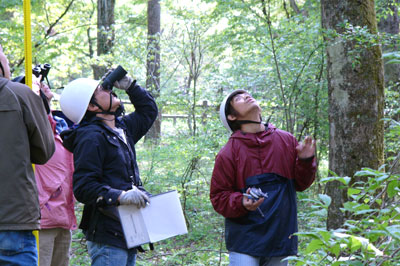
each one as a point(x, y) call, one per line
point(314, 245)
point(382, 177)
point(308, 234)
point(335, 249)
point(326, 235)
point(363, 212)
point(352, 191)
point(350, 206)
point(393, 188)
point(325, 199)
point(393, 61)
point(354, 244)
point(394, 231)
point(391, 55)
point(344, 180)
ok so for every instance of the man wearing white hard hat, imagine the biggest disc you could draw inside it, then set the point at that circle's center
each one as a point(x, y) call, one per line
point(254, 183)
point(106, 172)
point(25, 138)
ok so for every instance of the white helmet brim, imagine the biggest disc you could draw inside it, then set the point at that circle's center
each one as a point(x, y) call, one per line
point(75, 98)
point(223, 109)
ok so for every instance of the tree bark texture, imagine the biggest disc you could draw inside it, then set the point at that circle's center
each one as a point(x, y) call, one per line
point(390, 25)
point(153, 59)
point(105, 32)
point(356, 98)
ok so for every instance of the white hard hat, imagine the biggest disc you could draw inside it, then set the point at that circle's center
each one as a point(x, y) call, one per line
point(75, 98)
point(224, 108)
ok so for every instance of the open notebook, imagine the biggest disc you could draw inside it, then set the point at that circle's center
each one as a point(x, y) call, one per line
point(161, 219)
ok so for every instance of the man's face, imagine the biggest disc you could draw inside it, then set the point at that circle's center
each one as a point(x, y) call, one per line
point(103, 99)
point(245, 106)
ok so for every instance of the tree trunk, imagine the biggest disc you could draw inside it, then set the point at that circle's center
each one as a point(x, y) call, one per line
point(356, 98)
point(153, 60)
point(294, 6)
point(390, 25)
point(105, 33)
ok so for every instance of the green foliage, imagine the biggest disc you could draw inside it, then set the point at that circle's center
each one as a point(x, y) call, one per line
point(231, 43)
point(392, 114)
point(371, 233)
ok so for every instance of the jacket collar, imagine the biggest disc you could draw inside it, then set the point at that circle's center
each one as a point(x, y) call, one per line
point(98, 121)
point(269, 129)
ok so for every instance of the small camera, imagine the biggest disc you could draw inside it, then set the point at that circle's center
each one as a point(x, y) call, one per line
point(42, 69)
point(116, 75)
point(256, 193)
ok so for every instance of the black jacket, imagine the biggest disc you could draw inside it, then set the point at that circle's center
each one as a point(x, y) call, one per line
point(105, 166)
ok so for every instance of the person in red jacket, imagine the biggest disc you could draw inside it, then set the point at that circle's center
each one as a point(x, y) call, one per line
point(56, 198)
point(259, 227)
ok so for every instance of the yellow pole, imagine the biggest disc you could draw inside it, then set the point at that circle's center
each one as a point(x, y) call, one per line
point(28, 71)
point(28, 43)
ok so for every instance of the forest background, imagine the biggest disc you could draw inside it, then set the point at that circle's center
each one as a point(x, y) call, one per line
point(316, 68)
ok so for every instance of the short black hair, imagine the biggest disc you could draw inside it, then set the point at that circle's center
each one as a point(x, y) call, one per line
point(229, 110)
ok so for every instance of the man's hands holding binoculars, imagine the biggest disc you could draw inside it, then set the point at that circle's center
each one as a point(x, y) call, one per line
point(124, 83)
point(116, 77)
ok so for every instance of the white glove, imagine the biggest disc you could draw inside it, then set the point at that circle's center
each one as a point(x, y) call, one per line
point(134, 196)
point(124, 83)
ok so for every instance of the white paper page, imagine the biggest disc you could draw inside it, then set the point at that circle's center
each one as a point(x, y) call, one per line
point(164, 218)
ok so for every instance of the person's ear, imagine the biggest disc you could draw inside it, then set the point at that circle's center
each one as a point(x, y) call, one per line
point(231, 117)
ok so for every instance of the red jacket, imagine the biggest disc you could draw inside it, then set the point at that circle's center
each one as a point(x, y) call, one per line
point(54, 183)
point(250, 154)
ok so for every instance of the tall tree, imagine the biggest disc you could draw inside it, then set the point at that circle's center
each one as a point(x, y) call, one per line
point(389, 23)
point(105, 33)
point(356, 97)
point(153, 59)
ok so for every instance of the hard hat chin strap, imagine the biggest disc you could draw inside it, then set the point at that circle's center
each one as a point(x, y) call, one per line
point(106, 112)
point(241, 122)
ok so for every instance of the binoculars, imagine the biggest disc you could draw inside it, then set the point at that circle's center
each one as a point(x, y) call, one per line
point(42, 69)
point(116, 75)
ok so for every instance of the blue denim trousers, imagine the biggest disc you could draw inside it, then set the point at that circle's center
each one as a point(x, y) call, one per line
point(105, 255)
point(18, 248)
point(240, 259)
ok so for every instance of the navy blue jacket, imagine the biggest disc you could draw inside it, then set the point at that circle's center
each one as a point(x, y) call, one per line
point(105, 166)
